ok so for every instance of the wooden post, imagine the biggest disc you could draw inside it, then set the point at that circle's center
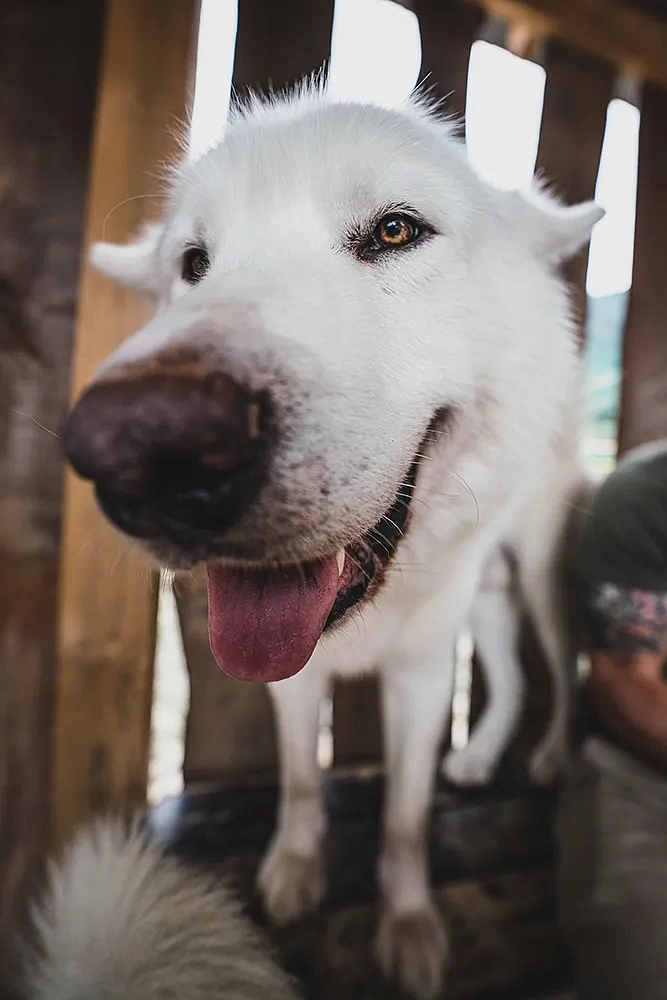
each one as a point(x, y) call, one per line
point(279, 43)
point(357, 726)
point(578, 89)
point(108, 597)
point(644, 387)
point(230, 723)
point(48, 70)
point(447, 33)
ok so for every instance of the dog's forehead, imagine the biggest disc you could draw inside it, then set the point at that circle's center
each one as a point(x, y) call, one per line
point(343, 157)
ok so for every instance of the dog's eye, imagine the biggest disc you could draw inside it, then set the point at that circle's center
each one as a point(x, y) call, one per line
point(195, 263)
point(395, 230)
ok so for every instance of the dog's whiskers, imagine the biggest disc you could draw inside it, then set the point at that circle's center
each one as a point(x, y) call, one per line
point(408, 498)
point(125, 201)
point(28, 416)
point(359, 566)
point(470, 490)
point(374, 533)
point(386, 517)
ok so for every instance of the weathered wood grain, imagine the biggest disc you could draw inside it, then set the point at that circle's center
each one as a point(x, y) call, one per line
point(107, 595)
point(48, 68)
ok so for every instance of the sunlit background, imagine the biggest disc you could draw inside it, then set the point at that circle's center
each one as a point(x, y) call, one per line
point(503, 115)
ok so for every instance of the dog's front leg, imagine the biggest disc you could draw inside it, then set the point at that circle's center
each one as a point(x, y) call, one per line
point(412, 941)
point(291, 878)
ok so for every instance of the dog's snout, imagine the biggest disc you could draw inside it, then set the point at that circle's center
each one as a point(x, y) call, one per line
point(170, 451)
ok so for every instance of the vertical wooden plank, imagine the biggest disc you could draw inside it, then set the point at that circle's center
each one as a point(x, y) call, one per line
point(108, 597)
point(279, 43)
point(578, 89)
point(230, 724)
point(447, 33)
point(644, 387)
point(357, 726)
point(48, 69)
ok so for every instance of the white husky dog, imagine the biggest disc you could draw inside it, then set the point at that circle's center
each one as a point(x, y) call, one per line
point(361, 378)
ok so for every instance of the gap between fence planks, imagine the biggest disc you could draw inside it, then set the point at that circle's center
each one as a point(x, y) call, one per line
point(108, 597)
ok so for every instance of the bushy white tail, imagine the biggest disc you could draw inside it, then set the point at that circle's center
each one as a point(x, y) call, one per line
point(122, 921)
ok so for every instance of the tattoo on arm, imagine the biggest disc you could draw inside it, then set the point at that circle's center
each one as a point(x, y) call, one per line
point(627, 620)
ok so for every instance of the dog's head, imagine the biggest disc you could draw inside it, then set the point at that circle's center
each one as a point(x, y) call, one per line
point(332, 283)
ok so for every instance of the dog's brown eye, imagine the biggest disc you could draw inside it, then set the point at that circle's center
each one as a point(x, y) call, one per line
point(194, 264)
point(395, 231)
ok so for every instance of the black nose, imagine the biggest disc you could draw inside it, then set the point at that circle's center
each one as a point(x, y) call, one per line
point(171, 453)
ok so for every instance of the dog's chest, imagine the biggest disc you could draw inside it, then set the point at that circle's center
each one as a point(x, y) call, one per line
point(361, 644)
point(382, 628)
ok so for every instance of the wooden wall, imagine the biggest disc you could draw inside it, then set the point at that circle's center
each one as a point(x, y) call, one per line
point(108, 598)
point(49, 55)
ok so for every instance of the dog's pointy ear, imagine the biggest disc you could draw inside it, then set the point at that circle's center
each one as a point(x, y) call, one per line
point(130, 264)
point(554, 231)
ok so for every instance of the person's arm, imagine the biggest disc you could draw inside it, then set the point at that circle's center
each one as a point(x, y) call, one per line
point(627, 640)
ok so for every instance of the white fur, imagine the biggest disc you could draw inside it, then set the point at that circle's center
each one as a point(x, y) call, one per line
point(494, 623)
point(477, 320)
point(121, 921)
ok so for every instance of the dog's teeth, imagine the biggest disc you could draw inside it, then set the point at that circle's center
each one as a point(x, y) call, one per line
point(340, 559)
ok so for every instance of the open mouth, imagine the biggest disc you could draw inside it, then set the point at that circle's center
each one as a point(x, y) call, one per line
point(264, 623)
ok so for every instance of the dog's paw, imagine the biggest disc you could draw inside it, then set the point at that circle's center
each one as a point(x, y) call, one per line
point(291, 884)
point(470, 765)
point(413, 946)
point(547, 761)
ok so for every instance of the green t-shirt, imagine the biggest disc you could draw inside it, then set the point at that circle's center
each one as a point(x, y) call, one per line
point(622, 537)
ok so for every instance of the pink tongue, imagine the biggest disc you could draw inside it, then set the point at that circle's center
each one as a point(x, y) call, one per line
point(263, 625)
